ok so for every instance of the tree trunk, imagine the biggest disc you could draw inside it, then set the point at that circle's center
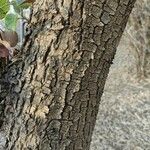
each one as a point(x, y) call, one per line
point(56, 84)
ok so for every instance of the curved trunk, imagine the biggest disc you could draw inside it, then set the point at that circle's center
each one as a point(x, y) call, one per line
point(56, 84)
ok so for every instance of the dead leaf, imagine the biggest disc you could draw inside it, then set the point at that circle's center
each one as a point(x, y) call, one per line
point(4, 52)
point(5, 49)
point(10, 36)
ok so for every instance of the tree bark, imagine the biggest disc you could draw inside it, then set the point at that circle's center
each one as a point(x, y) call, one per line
point(56, 84)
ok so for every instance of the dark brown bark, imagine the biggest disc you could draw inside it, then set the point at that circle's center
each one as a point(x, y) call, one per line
point(57, 83)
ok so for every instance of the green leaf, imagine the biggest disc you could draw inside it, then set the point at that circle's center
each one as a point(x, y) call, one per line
point(25, 5)
point(4, 8)
point(11, 21)
point(16, 6)
point(21, 4)
point(25, 1)
point(19, 1)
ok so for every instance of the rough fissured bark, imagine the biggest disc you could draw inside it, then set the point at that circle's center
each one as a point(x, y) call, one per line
point(56, 84)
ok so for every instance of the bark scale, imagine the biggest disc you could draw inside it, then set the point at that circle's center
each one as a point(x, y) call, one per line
point(56, 84)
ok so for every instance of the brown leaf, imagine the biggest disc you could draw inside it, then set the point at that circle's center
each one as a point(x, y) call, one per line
point(5, 49)
point(4, 52)
point(10, 36)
